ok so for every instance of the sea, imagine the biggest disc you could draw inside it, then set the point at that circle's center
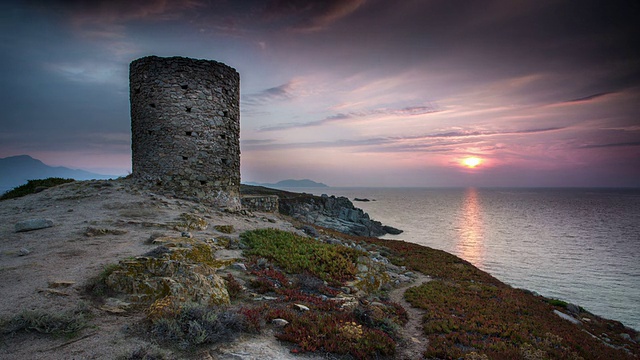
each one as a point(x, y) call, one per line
point(577, 245)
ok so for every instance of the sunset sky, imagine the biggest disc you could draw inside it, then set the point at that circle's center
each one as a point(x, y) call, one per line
point(349, 93)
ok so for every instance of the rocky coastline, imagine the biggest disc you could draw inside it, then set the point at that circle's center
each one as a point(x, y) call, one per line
point(125, 273)
point(326, 211)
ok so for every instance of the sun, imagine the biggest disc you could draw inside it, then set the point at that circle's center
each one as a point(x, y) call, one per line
point(471, 162)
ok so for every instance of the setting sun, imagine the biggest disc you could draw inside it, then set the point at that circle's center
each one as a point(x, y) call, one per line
point(471, 162)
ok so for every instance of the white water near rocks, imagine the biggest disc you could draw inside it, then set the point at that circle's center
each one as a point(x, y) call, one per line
point(578, 245)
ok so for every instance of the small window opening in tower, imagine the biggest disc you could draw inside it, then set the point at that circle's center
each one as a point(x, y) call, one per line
point(137, 91)
point(152, 105)
point(202, 182)
point(188, 109)
point(223, 136)
point(185, 158)
point(188, 133)
point(184, 86)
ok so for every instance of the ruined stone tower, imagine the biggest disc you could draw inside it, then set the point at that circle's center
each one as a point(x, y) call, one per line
point(185, 123)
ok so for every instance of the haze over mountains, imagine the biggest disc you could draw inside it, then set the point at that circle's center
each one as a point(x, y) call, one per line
point(17, 170)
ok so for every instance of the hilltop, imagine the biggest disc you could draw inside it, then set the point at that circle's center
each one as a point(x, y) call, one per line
point(16, 170)
point(126, 273)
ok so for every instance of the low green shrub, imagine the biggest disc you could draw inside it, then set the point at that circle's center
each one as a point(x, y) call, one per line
point(298, 254)
point(558, 303)
point(33, 186)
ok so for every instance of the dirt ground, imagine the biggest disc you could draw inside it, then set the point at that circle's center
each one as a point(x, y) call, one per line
point(46, 269)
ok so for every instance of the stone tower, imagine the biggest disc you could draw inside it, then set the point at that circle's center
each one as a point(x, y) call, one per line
point(185, 124)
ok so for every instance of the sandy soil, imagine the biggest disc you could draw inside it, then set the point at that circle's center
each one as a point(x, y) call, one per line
point(46, 269)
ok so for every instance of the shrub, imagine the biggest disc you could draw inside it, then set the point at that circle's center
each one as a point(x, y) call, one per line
point(195, 325)
point(144, 353)
point(234, 288)
point(298, 254)
point(96, 286)
point(336, 333)
point(389, 317)
point(34, 186)
point(225, 229)
point(67, 323)
point(558, 303)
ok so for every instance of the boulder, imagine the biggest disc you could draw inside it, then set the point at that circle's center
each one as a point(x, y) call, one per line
point(573, 309)
point(33, 224)
point(309, 230)
point(184, 270)
point(280, 322)
point(567, 317)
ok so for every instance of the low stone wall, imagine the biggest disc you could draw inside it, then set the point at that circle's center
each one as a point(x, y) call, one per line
point(261, 203)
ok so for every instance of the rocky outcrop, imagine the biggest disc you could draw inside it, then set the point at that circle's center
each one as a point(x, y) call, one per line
point(335, 213)
point(181, 267)
point(332, 212)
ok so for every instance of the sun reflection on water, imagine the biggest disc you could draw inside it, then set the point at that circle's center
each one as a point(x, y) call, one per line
point(471, 229)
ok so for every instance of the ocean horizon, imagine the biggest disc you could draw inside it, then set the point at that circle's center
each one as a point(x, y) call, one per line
point(579, 245)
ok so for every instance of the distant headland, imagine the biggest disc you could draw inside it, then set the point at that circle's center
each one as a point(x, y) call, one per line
point(291, 183)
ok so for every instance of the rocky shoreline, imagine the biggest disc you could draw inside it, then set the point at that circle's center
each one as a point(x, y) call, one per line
point(331, 212)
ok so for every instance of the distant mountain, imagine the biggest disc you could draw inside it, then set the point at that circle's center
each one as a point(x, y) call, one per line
point(290, 183)
point(16, 170)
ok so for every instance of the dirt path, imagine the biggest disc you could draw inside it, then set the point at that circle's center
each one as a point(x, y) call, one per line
point(415, 342)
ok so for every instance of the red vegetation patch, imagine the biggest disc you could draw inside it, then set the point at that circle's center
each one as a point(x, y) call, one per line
point(469, 311)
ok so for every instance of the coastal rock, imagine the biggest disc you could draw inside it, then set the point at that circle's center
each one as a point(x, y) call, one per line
point(33, 224)
point(332, 212)
point(391, 230)
point(567, 317)
point(573, 309)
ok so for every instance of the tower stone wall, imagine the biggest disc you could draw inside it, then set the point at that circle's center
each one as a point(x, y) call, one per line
point(185, 123)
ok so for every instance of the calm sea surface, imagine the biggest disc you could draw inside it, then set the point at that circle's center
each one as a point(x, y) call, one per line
point(578, 245)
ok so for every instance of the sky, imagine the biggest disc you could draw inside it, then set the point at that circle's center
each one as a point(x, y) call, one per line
point(348, 93)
